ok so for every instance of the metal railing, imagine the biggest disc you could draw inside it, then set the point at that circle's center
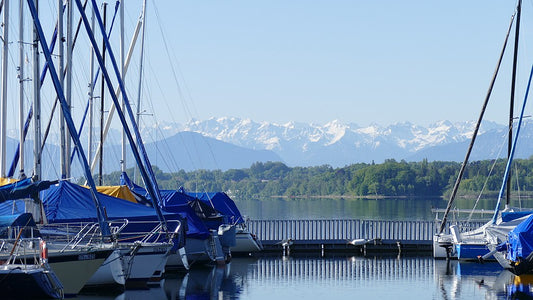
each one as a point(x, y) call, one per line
point(347, 229)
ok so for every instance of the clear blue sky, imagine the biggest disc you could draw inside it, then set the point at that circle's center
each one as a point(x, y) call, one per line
point(316, 61)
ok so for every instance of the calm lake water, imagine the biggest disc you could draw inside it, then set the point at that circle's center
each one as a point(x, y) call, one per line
point(376, 209)
point(336, 278)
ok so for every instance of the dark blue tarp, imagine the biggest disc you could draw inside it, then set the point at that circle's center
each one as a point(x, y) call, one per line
point(24, 220)
point(67, 202)
point(12, 207)
point(219, 200)
point(520, 240)
point(23, 189)
point(173, 202)
point(222, 203)
point(513, 215)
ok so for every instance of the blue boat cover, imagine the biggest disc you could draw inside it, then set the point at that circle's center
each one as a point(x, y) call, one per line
point(23, 189)
point(219, 200)
point(512, 215)
point(67, 202)
point(520, 240)
point(173, 202)
point(222, 203)
point(12, 207)
point(17, 220)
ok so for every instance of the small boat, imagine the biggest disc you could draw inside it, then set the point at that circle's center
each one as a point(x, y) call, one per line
point(245, 241)
point(21, 279)
point(516, 253)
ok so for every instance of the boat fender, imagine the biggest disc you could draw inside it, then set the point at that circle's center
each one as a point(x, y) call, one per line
point(43, 252)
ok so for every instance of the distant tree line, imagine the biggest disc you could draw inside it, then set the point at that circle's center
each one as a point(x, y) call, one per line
point(390, 178)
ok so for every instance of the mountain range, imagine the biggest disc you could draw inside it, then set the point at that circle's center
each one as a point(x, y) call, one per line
point(335, 143)
point(234, 143)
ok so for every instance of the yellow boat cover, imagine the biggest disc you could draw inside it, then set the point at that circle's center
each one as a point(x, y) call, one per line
point(117, 191)
point(5, 180)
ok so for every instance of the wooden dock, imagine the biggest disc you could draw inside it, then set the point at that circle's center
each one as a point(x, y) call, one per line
point(360, 237)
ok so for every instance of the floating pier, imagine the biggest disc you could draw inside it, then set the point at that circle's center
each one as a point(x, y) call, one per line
point(360, 237)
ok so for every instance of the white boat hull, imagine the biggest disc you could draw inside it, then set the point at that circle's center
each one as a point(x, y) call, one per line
point(111, 272)
point(147, 265)
point(75, 273)
point(132, 266)
point(246, 243)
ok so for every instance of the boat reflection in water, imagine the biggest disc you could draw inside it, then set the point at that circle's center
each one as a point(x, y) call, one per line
point(337, 278)
point(521, 287)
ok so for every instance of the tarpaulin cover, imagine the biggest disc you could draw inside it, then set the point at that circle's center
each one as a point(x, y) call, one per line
point(17, 220)
point(513, 215)
point(22, 189)
point(67, 202)
point(520, 240)
point(7, 180)
point(117, 191)
point(12, 207)
point(222, 203)
point(174, 202)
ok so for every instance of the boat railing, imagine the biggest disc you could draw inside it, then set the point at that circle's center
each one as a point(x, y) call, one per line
point(348, 229)
point(117, 226)
point(72, 234)
point(154, 232)
point(87, 233)
point(158, 233)
point(124, 230)
point(24, 251)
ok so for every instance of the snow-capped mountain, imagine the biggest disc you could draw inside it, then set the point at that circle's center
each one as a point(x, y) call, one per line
point(338, 144)
point(233, 143)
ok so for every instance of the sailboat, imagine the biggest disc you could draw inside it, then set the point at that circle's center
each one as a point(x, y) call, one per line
point(245, 241)
point(202, 245)
point(471, 244)
point(22, 278)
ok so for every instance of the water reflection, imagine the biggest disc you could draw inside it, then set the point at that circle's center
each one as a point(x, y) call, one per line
point(338, 277)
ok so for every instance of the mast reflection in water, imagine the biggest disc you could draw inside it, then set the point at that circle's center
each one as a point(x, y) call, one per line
point(336, 278)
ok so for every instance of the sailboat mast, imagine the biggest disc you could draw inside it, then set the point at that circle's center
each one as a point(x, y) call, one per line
point(511, 104)
point(3, 105)
point(118, 91)
point(61, 67)
point(476, 129)
point(21, 88)
point(123, 76)
point(36, 102)
point(68, 83)
point(139, 90)
point(91, 98)
point(102, 93)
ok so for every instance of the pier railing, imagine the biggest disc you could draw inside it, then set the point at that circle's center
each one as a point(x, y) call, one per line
point(348, 229)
